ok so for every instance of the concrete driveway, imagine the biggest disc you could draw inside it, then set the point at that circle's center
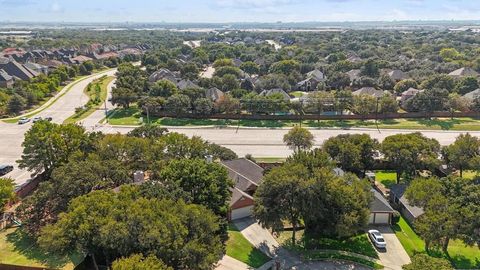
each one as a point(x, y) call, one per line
point(395, 256)
point(229, 263)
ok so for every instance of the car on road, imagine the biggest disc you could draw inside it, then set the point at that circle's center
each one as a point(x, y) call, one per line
point(4, 169)
point(377, 239)
point(36, 119)
point(48, 118)
point(23, 120)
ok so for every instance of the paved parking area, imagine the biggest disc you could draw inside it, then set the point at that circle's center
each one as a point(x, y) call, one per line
point(395, 256)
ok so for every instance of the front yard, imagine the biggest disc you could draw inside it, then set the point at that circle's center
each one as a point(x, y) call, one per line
point(461, 256)
point(18, 249)
point(387, 178)
point(240, 249)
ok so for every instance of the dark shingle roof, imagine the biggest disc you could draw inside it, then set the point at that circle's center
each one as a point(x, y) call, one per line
point(244, 172)
point(379, 203)
point(398, 190)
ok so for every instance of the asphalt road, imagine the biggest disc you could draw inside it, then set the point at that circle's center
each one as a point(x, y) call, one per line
point(11, 135)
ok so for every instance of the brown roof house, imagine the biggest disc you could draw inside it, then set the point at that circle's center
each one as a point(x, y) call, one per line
point(408, 94)
point(397, 75)
point(246, 176)
point(371, 91)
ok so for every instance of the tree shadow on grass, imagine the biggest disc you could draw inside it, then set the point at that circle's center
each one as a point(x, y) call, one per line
point(444, 124)
point(26, 246)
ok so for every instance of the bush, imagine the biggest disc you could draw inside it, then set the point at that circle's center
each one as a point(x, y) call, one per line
point(395, 217)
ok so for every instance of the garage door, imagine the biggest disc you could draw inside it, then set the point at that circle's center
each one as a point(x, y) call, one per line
point(380, 218)
point(242, 212)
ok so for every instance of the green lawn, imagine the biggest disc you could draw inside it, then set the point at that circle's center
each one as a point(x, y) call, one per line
point(18, 249)
point(131, 117)
point(239, 248)
point(461, 256)
point(359, 244)
point(104, 82)
point(297, 94)
point(387, 178)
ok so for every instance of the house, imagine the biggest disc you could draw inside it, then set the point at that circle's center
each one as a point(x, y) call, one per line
point(354, 74)
point(308, 84)
point(6, 81)
point(278, 91)
point(472, 95)
point(41, 69)
point(186, 84)
point(214, 94)
point(371, 91)
point(163, 74)
point(246, 176)
point(51, 64)
point(400, 202)
point(17, 70)
point(380, 210)
point(408, 94)
point(316, 74)
point(463, 72)
point(354, 59)
point(397, 75)
point(81, 59)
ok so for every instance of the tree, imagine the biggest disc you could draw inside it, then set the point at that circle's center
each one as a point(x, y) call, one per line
point(298, 139)
point(250, 67)
point(424, 261)
point(353, 152)
point(229, 82)
point(183, 236)
point(338, 80)
point(123, 96)
point(428, 101)
point(458, 103)
point(364, 104)
point(199, 182)
point(286, 67)
point(386, 82)
point(449, 54)
point(404, 85)
point(163, 88)
point(388, 104)
point(370, 69)
point(203, 106)
point(408, 153)
point(466, 85)
point(7, 191)
point(148, 131)
point(227, 104)
point(47, 146)
point(178, 104)
point(222, 62)
point(139, 262)
point(16, 104)
point(464, 153)
point(280, 197)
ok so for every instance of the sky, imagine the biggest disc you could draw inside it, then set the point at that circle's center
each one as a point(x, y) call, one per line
point(219, 11)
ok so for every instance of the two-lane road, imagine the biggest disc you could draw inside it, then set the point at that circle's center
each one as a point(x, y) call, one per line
point(11, 135)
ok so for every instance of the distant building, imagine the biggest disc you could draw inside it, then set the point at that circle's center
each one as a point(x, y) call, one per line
point(214, 94)
point(186, 84)
point(354, 74)
point(472, 95)
point(369, 91)
point(267, 93)
point(397, 75)
point(81, 59)
point(163, 74)
point(401, 203)
point(463, 72)
point(408, 94)
point(17, 70)
point(6, 81)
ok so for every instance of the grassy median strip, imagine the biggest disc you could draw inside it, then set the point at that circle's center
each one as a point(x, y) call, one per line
point(240, 249)
point(96, 99)
point(34, 112)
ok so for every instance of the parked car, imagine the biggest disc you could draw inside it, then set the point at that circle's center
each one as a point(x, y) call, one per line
point(23, 120)
point(36, 119)
point(48, 118)
point(4, 169)
point(377, 239)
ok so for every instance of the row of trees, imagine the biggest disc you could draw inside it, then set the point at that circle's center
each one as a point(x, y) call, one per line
point(179, 216)
point(407, 154)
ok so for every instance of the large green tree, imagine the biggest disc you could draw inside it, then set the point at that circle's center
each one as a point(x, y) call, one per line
point(408, 153)
point(353, 152)
point(464, 153)
point(299, 139)
point(7, 191)
point(423, 261)
point(109, 225)
point(47, 146)
point(139, 262)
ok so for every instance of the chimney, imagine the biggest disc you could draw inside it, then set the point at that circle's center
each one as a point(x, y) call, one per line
point(138, 177)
